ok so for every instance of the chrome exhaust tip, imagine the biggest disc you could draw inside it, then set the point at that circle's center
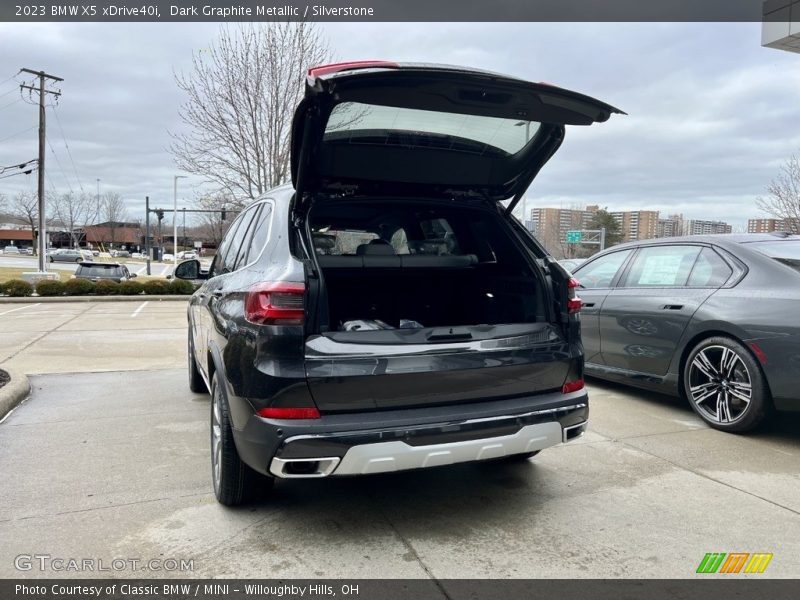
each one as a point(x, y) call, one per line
point(573, 432)
point(303, 468)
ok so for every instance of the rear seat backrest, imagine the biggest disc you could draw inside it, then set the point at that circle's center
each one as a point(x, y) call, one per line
point(404, 261)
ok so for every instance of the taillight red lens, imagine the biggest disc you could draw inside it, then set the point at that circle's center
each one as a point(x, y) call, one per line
point(349, 66)
point(572, 386)
point(275, 303)
point(288, 413)
point(573, 301)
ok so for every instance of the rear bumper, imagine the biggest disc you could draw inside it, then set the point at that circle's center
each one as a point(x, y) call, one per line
point(398, 440)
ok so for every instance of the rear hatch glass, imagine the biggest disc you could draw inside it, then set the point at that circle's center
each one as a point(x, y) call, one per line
point(784, 251)
point(359, 123)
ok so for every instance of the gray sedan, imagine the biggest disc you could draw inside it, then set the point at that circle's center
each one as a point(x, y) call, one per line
point(711, 318)
point(69, 255)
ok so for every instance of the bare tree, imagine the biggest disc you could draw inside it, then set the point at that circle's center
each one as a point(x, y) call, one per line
point(783, 201)
point(75, 211)
point(242, 93)
point(25, 206)
point(114, 213)
point(210, 226)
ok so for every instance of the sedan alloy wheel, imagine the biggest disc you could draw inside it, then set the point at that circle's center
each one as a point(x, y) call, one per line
point(725, 386)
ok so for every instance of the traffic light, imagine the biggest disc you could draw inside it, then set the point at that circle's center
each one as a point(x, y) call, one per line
point(223, 214)
point(160, 214)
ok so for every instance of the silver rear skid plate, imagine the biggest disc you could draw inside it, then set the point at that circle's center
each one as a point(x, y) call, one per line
point(387, 457)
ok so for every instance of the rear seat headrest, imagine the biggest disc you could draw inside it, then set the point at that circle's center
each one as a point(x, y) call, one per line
point(377, 247)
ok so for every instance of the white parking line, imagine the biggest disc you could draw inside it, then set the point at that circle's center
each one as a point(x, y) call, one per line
point(20, 308)
point(138, 310)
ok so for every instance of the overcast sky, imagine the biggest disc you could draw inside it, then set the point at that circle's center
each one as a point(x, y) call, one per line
point(712, 114)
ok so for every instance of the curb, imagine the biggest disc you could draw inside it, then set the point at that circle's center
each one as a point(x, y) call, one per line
point(14, 392)
point(141, 298)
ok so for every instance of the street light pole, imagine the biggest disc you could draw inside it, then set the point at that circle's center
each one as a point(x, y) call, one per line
point(175, 219)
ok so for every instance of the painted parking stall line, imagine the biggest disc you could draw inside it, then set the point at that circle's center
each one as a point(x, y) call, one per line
point(20, 308)
point(138, 310)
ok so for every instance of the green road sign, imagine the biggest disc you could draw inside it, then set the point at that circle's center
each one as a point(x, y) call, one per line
point(574, 237)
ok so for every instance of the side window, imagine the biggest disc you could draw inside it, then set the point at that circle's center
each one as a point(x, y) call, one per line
point(229, 261)
point(601, 272)
point(709, 270)
point(662, 266)
point(260, 230)
point(218, 264)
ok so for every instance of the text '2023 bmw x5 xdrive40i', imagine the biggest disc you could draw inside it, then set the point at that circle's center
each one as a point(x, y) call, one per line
point(385, 311)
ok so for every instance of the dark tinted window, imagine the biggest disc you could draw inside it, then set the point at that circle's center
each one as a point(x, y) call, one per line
point(601, 272)
point(229, 261)
point(260, 230)
point(99, 271)
point(218, 266)
point(662, 266)
point(709, 270)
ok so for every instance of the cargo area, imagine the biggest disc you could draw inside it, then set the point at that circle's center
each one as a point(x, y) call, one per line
point(411, 265)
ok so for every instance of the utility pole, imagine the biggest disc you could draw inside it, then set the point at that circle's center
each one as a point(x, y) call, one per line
point(147, 230)
point(42, 241)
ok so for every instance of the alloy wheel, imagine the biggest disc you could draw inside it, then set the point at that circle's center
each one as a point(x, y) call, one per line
point(720, 384)
point(216, 440)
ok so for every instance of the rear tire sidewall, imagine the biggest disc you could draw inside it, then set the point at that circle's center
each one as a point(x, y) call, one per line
point(760, 401)
point(237, 482)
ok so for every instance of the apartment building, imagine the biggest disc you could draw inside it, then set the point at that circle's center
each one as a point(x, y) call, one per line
point(637, 224)
point(770, 225)
point(550, 225)
point(699, 227)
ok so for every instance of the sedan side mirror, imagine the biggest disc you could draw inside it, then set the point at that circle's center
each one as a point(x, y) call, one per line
point(132, 275)
point(189, 270)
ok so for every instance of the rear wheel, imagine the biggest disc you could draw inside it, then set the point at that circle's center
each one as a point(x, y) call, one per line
point(725, 386)
point(234, 482)
point(196, 382)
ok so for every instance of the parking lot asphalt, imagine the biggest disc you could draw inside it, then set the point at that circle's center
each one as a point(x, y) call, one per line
point(115, 464)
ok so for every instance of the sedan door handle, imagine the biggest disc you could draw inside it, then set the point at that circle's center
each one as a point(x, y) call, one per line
point(672, 306)
point(587, 305)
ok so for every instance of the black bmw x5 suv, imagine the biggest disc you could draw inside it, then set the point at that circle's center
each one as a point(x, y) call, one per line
point(385, 311)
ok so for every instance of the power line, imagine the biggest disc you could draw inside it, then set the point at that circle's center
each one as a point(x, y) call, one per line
point(60, 168)
point(69, 152)
point(14, 89)
point(18, 133)
point(12, 103)
point(10, 78)
point(20, 173)
point(17, 166)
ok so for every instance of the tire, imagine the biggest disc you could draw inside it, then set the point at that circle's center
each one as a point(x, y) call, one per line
point(196, 382)
point(77, 260)
point(516, 458)
point(234, 482)
point(725, 385)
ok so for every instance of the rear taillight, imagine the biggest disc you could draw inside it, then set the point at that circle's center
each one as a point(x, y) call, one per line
point(275, 303)
point(288, 413)
point(572, 386)
point(573, 301)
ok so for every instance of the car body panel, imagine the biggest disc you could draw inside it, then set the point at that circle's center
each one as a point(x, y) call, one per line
point(756, 306)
